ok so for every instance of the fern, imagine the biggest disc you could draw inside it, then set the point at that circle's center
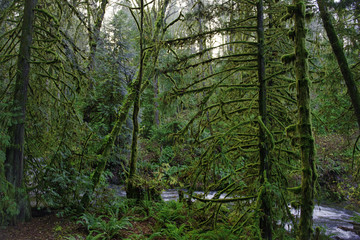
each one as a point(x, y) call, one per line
point(104, 226)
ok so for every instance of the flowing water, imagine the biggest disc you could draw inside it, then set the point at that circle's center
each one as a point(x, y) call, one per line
point(332, 219)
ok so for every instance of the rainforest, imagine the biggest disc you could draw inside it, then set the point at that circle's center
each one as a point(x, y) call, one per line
point(179, 119)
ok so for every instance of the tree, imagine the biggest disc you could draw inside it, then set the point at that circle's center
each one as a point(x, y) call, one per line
point(264, 173)
point(132, 191)
point(306, 141)
point(147, 65)
point(341, 58)
point(94, 34)
point(14, 164)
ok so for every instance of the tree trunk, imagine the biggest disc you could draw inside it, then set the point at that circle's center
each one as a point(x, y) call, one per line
point(307, 146)
point(341, 59)
point(94, 36)
point(156, 99)
point(157, 37)
point(265, 219)
point(107, 145)
point(14, 163)
point(132, 191)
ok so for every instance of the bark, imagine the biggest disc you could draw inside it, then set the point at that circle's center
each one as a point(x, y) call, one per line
point(94, 36)
point(107, 145)
point(156, 103)
point(265, 219)
point(341, 59)
point(14, 163)
point(307, 147)
point(157, 38)
point(132, 191)
point(201, 49)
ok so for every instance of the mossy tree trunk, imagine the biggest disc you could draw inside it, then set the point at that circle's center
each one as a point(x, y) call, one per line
point(340, 57)
point(157, 37)
point(307, 147)
point(135, 91)
point(147, 65)
point(14, 163)
point(132, 190)
point(106, 147)
point(265, 219)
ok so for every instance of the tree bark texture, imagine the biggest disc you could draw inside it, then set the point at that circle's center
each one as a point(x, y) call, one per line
point(340, 57)
point(307, 147)
point(265, 219)
point(94, 36)
point(132, 191)
point(14, 163)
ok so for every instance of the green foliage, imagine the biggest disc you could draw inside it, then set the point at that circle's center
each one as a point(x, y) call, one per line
point(356, 218)
point(64, 187)
point(170, 212)
point(104, 226)
point(164, 134)
point(167, 154)
point(8, 206)
point(220, 233)
point(172, 231)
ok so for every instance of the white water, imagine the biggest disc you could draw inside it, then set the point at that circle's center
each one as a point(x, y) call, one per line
point(332, 218)
point(328, 218)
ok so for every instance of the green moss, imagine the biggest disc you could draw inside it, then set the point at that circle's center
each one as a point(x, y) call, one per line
point(291, 34)
point(288, 58)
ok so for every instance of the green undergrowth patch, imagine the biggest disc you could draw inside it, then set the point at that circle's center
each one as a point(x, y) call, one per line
point(129, 219)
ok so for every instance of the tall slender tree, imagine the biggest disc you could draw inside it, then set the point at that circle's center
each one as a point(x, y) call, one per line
point(14, 164)
point(265, 219)
point(341, 58)
point(132, 189)
point(307, 146)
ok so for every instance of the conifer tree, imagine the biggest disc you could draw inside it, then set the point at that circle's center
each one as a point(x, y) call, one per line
point(14, 164)
point(304, 125)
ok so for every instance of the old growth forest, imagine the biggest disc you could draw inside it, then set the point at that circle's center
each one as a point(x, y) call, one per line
point(246, 111)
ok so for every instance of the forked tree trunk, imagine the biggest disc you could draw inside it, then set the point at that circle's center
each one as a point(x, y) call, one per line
point(307, 147)
point(14, 163)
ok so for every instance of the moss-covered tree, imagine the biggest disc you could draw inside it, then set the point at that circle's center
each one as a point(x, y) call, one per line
point(304, 125)
point(341, 58)
point(14, 164)
point(264, 173)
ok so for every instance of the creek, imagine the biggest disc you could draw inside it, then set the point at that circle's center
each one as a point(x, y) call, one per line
point(334, 220)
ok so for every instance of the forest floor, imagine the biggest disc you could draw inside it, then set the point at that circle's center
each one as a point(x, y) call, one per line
point(51, 227)
point(44, 227)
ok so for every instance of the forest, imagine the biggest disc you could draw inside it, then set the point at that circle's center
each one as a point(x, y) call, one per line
point(247, 111)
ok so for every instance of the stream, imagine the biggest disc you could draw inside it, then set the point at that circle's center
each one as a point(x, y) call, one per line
point(334, 220)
